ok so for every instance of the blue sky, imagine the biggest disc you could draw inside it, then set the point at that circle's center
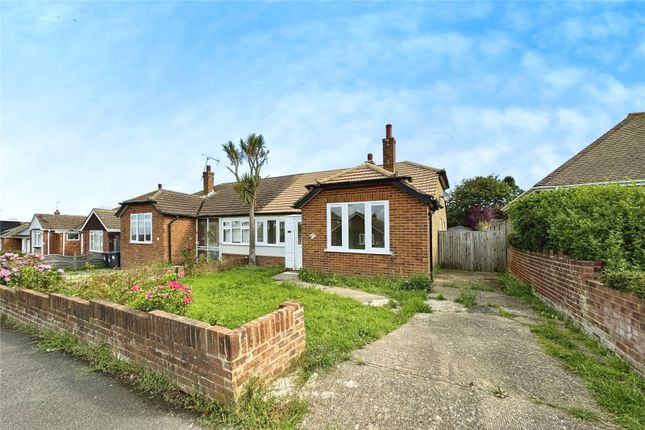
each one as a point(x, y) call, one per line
point(100, 101)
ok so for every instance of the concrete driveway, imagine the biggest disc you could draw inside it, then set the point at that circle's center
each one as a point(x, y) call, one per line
point(53, 391)
point(452, 369)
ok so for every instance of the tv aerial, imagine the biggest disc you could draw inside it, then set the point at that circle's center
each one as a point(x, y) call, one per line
point(208, 157)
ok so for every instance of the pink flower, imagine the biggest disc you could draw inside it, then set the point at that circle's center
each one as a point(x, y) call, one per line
point(135, 288)
point(181, 274)
point(176, 285)
point(187, 300)
point(160, 286)
point(46, 266)
point(149, 294)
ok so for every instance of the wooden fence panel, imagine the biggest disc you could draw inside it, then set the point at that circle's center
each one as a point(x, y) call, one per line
point(483, 251)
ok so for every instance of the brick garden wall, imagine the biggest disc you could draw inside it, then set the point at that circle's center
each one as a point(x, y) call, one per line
point(617, 318)
point(409, 235)
point(200, 358)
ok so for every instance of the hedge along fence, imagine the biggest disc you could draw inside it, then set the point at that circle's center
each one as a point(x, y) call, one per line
point(215, 361)
point(602, 222)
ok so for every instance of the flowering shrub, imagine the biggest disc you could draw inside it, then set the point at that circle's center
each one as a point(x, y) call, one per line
point(29, 271)
point(145, 288)
point(173, 297)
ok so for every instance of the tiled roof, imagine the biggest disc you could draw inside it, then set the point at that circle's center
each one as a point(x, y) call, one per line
point(278, 194)
point(618, 155)
point(60, 222)
point(15, 231)
point(170, 202)
point(108, 218)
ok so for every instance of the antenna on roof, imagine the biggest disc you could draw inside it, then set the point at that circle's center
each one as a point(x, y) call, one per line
point(208, 157)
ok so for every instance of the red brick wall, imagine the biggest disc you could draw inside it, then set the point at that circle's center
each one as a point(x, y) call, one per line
point(409, 235)
point(199, 358)
point(136, 254)
point(571, 286)
point(231, 260)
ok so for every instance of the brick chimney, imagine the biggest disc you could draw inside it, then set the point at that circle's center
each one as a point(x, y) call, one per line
point(389, 149)
point(209, 180)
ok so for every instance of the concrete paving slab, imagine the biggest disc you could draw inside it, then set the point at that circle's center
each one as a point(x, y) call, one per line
point(358, 295)
point(52, 391)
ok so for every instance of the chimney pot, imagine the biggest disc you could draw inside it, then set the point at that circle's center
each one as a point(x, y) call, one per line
point(388, 131)
point(208, 167)
point(56, 212)
point(370, 158)
point(158, 186)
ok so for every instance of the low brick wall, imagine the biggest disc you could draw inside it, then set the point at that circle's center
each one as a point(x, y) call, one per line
point(617, 318)
point(200, 358)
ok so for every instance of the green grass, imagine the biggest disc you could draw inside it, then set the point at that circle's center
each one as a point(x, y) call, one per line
point(467, 297)
point(612, 383)
point(252, 411)
point(335, 325)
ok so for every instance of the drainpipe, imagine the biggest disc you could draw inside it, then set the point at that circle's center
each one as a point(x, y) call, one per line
point(430, 212)
point(170, 239)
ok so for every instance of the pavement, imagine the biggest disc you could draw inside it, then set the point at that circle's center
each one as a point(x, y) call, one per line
point(53, 391)
point(360, 296)
point(452, 369)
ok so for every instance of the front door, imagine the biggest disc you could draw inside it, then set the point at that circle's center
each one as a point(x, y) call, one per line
point(293, 242)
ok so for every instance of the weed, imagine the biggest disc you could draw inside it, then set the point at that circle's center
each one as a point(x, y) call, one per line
point(438, 297)
point(506, 314)
point(579, 412)
point(614, 386)
point(499, 392)
point(467, 297)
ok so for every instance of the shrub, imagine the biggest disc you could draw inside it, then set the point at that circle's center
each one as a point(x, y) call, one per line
point(29, 271)
point(628, 280)
point(419, 281)
point(173, 297)
point(467, 297)
point(603, 222)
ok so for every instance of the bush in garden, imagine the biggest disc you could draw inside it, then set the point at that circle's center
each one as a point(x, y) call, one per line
point(602, 222)
point(29, 271)
point(173, 297)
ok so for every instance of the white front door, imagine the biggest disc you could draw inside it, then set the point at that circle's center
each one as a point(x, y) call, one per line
point(293, 242)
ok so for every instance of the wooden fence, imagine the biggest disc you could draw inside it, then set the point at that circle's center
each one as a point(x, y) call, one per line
point(483, 251)
point(74, 261)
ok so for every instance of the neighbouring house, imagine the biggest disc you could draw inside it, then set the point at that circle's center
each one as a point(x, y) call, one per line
point(101, 234)
point(15, 238)
point(460, 228)
point(365, 220)
point(618, 156)
point(56, 234)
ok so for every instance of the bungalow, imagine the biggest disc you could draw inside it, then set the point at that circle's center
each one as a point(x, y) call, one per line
point(365, 220)
point(55, 234)
point(618, 156)
point(101, 232)
point(15, 238)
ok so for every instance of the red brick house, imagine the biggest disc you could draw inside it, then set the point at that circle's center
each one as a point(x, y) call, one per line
point(364, 220)
point(55, 234)
point(101, 232)
point(15, 238)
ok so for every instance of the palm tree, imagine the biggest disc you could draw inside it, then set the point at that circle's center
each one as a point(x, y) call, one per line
point(253, 150)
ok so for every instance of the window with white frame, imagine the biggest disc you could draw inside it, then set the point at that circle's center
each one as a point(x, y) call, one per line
point(270, 232)
point(73, 236)
point(96, 241)
point(208, 238)
point(37, 238)
point(141, 228)
point(358, 227)
point(235, 231)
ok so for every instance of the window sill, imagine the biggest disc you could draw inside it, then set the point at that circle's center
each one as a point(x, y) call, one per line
point(358, 251)
point(256, 244)
point(141, 243)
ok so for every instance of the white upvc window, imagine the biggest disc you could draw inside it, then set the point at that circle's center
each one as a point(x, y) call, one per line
point(270, 231)
point(37, 238)
point(141, 228)
point(73, 236)
point(235, 231)
point(362, 227)
point(96, 241)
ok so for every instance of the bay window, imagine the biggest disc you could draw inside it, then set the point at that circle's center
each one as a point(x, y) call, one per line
point(96, 241)
point(358, 227)
point(141, 228)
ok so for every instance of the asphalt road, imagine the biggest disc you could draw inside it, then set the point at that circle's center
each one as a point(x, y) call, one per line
point(53, 391)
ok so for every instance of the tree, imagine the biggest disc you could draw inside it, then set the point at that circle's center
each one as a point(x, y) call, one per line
point(247, 184)
point(482, 191)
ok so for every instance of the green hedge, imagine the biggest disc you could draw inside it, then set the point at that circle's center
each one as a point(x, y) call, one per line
point(603, 222)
